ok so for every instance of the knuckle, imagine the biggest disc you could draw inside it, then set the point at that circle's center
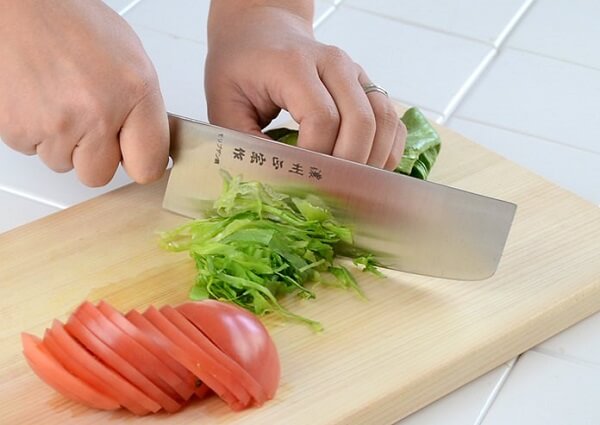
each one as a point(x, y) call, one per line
point(327, 116)
point(389, 116)
point(335, 55)
point(365, 118)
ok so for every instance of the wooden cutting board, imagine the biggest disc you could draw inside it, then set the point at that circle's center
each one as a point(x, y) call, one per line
point(415, 339)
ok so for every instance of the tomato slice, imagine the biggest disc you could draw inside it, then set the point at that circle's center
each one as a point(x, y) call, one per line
point(54, 374)
point(77, 329)
point(183, 382)
point(213, 373)
point(133, 352)
point(220, 372)
point(133, 355)
point(175, 353)
point(94, 372)
point(240, 335)
point(192, 332)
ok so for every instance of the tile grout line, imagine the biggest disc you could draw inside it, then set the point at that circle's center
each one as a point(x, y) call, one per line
point(467, 85)
point(32, 197)
point(324, 16)
point(553, 58)
point(494, 394)
point(512, 24)
point(130, 6)
point(485, 63)
point(565, 357)
point(524, 133)
point(419, 25)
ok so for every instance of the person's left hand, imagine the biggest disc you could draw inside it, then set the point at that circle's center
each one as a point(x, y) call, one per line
point(264, 59)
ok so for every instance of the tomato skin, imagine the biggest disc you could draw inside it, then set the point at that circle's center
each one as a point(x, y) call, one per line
point(197, 337)
point(240, 335)
point(186, 382)
point(213, 373)
point(132, 352)
point(94, 370)
point(55, 375)
point(158, 359)
point(174, 352)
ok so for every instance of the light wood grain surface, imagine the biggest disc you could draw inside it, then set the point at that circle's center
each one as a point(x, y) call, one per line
point(413, 341)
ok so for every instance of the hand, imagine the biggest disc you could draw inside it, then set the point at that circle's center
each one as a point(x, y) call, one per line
point(77, 88)
point(262, 58)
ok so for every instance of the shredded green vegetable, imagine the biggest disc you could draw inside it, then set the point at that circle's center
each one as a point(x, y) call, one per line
point(261, 244)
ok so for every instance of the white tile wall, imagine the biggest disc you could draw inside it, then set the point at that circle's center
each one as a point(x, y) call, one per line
point(574, 169)
point(539, 96)
point(544, 390)
point(535, 102)
point(482, 20)
point(563, 29)
point(415, 65)
point(17, 210)
point(461, 407)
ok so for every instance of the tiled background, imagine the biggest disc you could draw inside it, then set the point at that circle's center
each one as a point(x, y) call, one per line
point(521, 77)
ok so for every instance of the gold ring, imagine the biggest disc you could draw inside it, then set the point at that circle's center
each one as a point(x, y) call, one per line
point(370, 88)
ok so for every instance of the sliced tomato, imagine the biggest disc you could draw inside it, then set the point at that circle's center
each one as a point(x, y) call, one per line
point(94, 372)
point(183, 381)
point(200, 388)
point(54, 374)
point(240, 335)
point(222, 374)
point(77, 329)
point(134, 353)
point(196, 336)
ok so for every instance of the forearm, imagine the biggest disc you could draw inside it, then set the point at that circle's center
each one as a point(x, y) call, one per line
point(224, 13)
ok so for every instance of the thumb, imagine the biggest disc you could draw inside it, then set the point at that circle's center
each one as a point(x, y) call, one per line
point(144, 139)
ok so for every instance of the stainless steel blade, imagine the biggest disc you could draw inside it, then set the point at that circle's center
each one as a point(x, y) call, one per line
point(411, 225)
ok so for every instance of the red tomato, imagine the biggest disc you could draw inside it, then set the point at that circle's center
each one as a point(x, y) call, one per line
point(134, 353)
point(54, 374)
point(205, 344)
point(182, 357)
point(240, 335)
point(185, 384)
point(95, 373)
point(111, 359)
point(215, 371)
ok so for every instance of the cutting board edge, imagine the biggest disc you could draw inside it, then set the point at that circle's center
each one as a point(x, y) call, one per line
point(570, 311)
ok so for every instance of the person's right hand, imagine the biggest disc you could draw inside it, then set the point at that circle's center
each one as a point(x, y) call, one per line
point(77, 88)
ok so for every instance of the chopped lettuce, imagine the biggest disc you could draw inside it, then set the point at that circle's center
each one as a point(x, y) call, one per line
point(260, 244)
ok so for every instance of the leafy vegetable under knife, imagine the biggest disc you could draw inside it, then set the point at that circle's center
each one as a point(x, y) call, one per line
point(261, 244)
point(421, 150)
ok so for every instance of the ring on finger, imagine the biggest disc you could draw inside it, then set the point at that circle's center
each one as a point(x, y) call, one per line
point(371, 87)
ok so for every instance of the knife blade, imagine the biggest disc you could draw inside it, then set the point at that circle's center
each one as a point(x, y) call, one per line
point(409, 224)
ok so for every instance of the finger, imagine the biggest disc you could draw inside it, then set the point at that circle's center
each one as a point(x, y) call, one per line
point(398, 148)
point(386, 120)
point(357, 129)
point(144, 139)
point(234, 113)
point(56, 153)
point(96, 158)
point(311, 105)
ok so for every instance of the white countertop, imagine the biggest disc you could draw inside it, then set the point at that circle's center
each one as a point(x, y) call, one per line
point(521, 77)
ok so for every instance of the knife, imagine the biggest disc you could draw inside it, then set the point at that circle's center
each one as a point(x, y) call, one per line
point(409, 224)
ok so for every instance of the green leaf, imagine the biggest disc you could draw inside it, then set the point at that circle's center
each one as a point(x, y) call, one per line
point(261, 245)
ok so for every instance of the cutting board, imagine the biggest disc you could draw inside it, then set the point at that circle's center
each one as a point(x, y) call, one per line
point(414, 340)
